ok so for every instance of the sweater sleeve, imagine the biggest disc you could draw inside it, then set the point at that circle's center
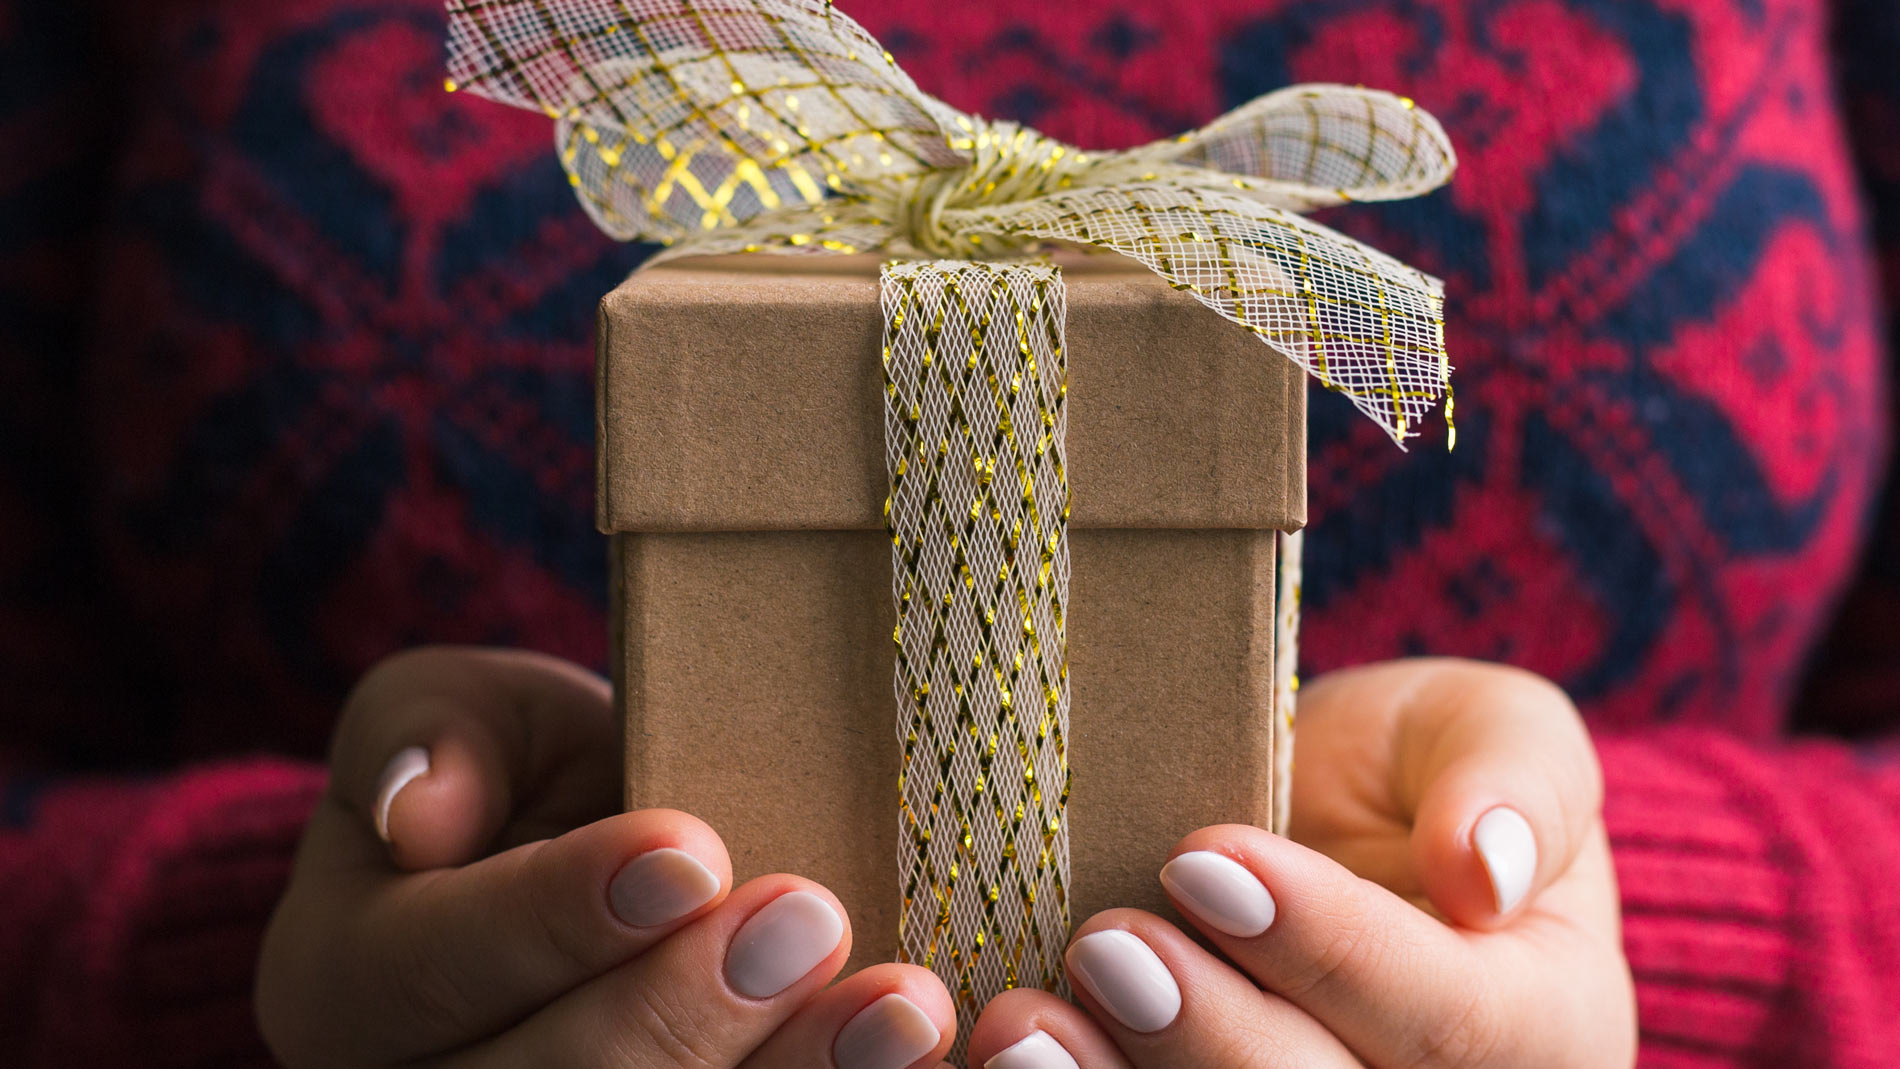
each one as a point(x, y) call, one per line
point(1761, 898)
point(134, 911)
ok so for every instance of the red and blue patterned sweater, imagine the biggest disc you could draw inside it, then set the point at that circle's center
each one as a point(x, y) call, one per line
point(296, 373)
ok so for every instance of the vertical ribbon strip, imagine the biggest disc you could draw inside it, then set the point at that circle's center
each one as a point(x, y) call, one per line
point(975, 380)
point(1286, 671)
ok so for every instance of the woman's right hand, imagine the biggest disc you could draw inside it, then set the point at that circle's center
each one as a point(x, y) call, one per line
point(462, 898)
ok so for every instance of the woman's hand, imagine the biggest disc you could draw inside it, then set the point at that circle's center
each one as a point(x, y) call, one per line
point(1446, 899)
point(463, 898)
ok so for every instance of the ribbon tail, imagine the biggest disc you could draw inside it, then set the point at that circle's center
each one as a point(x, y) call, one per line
point(1359, 321)
point(975, 382)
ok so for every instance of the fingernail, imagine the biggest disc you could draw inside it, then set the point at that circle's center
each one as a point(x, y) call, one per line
point(1127, 978)
point(660, 886)
point(1509, 852)
point(781, 943)
point(1037, 1050)
point(408, 763)
point(888, 1034)
point(1220, 891)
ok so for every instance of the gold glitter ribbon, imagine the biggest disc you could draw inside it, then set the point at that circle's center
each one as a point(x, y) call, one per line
point(978, 515)
point(1286, 669)
point(782, 126)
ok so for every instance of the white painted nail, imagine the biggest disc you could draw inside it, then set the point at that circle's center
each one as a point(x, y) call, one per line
point(408, 763)
point(1509, 851)
point(1037, 1050)
point(1220, 891)
point(890, 1033)
point(781, 943)
point(1127, 978)
point(660, 886)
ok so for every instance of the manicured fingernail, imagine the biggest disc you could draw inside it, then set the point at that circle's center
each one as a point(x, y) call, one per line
point(1509, 852)
point(1220, 891)
point(781, 943)
point(405, 766)
point(890, 1033)
point(660, 886)
point(1127, 978)
point(1037, 1050)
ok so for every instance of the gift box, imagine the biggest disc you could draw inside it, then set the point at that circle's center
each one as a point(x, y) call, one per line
point(845, 500)
point(743, 479)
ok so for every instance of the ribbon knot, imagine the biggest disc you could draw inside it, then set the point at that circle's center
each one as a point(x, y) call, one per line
point(1009, 164)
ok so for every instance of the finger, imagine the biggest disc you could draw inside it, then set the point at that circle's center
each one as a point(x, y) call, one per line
point(1393, 983)
point(440, 749)
point(1029, 1029)
point(708, 995)
point(467, 952)
point(1508, 789)
point(885, 1017)
point(1167, 1002)
point(1494, 772)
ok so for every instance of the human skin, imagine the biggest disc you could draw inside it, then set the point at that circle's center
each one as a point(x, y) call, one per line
point(1405, 921)
point(466, 896)
point(471, 906)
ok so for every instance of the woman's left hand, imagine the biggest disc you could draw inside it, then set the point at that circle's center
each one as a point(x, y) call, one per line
point(1446, 898)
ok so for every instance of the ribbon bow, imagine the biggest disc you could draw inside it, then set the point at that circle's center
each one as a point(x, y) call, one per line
point(782, 126)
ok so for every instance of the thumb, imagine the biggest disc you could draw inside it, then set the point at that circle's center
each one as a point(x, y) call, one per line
point(1498, 771)
point(441, 751)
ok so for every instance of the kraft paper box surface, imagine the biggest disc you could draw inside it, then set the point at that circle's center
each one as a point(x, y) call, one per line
point(742, 477)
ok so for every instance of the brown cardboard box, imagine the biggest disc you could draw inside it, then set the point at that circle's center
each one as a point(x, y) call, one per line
point(742, 476)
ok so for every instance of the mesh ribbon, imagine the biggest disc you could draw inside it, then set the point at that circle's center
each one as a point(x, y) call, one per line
point(782, 126)
point(1286, 667)
point(978, 516)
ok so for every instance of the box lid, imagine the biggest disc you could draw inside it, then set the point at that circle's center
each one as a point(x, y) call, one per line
point(746, 393)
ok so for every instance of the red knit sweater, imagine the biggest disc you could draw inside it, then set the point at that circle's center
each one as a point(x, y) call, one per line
point(296, 373)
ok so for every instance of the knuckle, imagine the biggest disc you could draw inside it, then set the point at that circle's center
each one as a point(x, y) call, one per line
point(396, 670)
point(1350, 951)
point(1252, 1048)
point(658, 1019)
point(1234, 1051)
point(1472, 1036)
point(296, 1022)
point(1556, 701)
point(1524, 690)
point(578, 954)
point(430, 993)
point(387, 680)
